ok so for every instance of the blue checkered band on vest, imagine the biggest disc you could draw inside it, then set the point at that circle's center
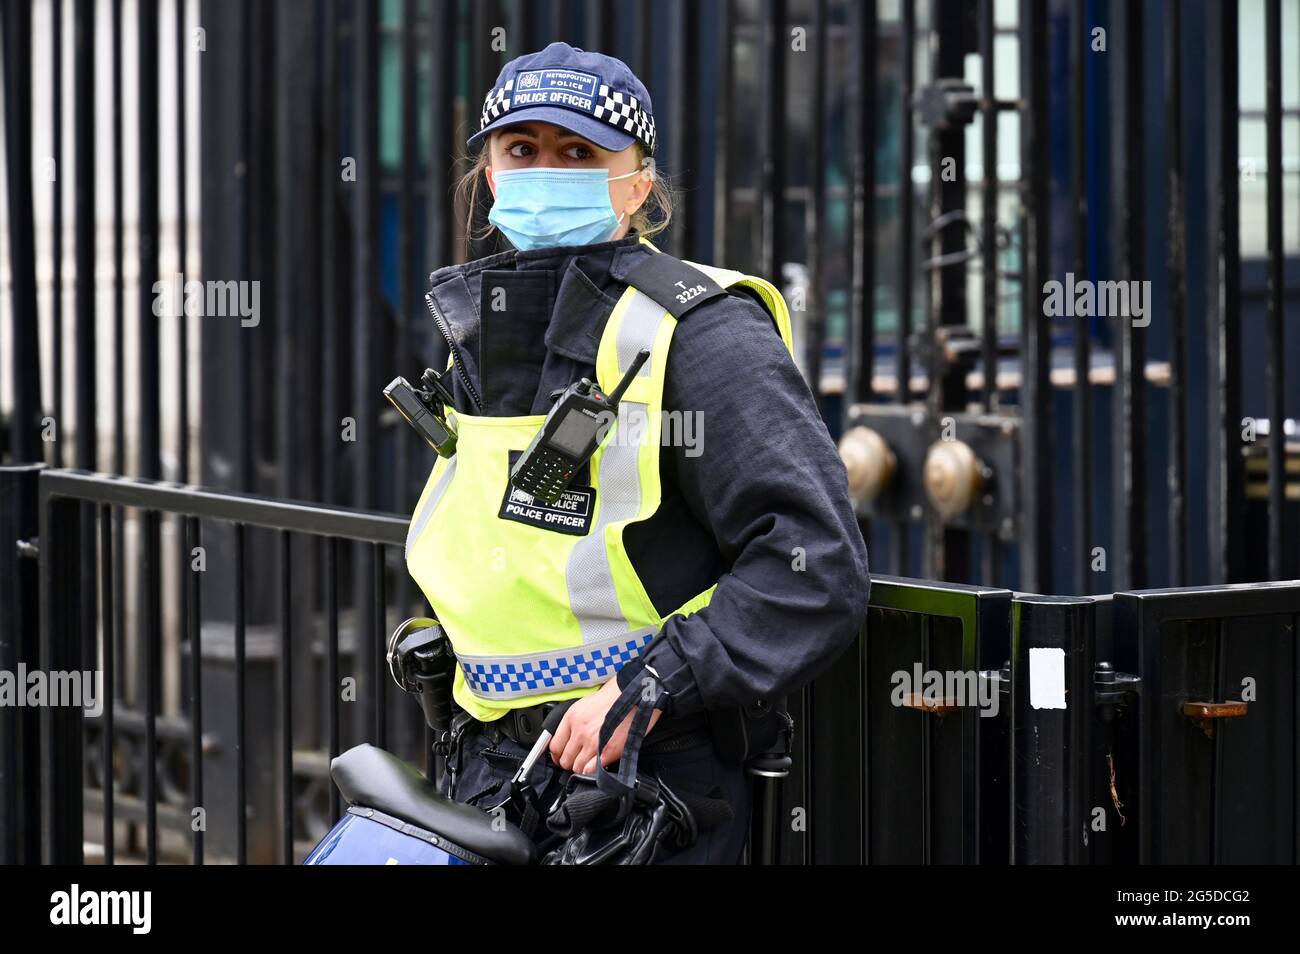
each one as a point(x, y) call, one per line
point(621, 110)
point(537, 674)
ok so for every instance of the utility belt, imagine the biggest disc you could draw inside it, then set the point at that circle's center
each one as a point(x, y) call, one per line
point(735, 735)
point(671, 734)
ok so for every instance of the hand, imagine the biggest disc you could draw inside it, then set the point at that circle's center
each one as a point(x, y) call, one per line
point(574, 745)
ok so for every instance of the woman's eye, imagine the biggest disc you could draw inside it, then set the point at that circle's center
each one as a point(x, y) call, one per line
point(521, 150)
point(580, 152)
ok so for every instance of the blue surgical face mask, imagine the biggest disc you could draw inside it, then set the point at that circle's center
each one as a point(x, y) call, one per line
point(548, 207)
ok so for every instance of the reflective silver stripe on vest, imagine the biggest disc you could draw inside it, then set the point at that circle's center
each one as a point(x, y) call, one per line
point(422, 518)
point(592, 595)
point(535, 674)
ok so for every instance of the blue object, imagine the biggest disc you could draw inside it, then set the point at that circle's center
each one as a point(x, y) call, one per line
point(596, 96)
point(357, 840)
point(546, 207)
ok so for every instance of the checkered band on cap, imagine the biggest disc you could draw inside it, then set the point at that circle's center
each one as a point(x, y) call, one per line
point(621, 110)
point(496, 102)
point(624, 112)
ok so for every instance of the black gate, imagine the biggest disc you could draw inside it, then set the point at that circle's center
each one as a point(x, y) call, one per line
point(1217, 722)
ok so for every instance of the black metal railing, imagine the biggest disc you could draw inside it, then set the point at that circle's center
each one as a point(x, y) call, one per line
point(1151, 726)
point(249, 671)
point(854, 184)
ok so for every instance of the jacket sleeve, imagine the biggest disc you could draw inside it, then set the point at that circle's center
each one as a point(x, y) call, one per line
point(767, 481)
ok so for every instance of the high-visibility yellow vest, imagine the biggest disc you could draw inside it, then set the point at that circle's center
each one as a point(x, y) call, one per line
point(542, 603)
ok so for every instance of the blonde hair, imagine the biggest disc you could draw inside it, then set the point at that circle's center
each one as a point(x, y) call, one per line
point(650, 219)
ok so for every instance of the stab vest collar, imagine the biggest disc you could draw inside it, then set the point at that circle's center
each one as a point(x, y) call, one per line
point(589, 279)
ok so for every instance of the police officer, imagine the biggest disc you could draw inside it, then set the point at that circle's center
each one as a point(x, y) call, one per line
point(707, 549)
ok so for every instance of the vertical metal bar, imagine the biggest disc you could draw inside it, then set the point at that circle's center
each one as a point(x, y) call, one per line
point(116, 579)
point(1221, 690)
point(906, 206)
point(119, 262)
point(685, 139)
point(61, 647)
point(1036, 397)
point(367, 305)
point(1226, 482)
point(241, 757)
point(521, 22)
point(1129, 493)
point(194, 631)
point(1176, 243)
point(814, 210)
point(722, 129)
point(332, 618)
point(1082, 461)
point(947, 548)
point(56, 218)
point(286, 694)
point(84, 131)
point(297, 241)
point(182, 240)
point(989, 282)
point(646, 34)
point(1276, 289)
point(772, 122)
point(989, 208)
point(443, 147)
point(927, 756)
point(20, 766)
point(860, 349)
point(107, 668)
point(481, 75)
point(599, 21)
point(25, 442)
point(405, 242)
point(147, 424)
point(900, 537)
point(151, 652)
point(379, 645)
point(331, 249)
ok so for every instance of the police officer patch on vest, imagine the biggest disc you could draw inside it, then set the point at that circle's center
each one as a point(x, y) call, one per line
point(570, 514)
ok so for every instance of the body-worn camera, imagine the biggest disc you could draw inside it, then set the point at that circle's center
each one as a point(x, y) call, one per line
point(569, 435)
point(424, 410)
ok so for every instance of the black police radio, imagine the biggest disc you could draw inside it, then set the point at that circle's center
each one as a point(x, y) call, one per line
point(423, 410)
point(569, 435)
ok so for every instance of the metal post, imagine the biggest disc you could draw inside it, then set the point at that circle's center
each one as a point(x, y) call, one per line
point(26, 445)
point(20, 768)
point(148, 425)
point(1129, 561)
point(1035, 333)
point(1276, 291)
point(1083, 429)
point(61, 586)
point(1226, 480)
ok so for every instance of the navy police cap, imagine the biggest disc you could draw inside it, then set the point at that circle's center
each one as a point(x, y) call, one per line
point(593, 95)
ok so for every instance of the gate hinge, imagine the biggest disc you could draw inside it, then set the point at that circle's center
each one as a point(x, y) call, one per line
point(1114, 690)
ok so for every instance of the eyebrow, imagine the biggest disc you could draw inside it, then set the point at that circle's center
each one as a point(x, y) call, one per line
point(532, 132)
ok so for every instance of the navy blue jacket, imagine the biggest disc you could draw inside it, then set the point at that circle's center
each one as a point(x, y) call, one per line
point(761, 507)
